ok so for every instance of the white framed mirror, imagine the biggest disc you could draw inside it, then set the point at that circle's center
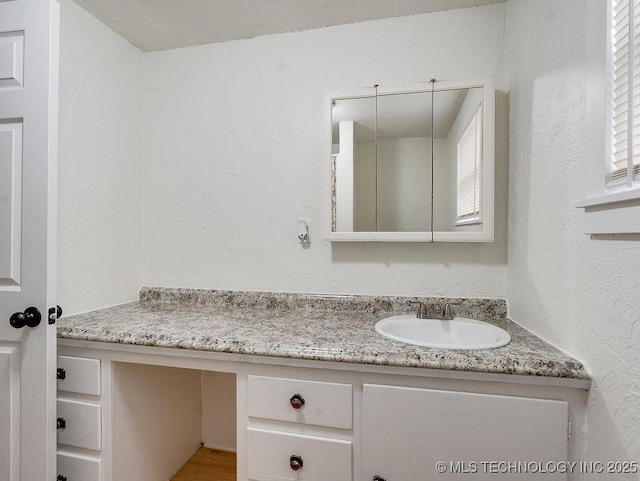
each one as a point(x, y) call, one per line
point(414, 164)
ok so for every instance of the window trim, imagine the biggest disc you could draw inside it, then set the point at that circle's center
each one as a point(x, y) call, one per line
point(608, 209)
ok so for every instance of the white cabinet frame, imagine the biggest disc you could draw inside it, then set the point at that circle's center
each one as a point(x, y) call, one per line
point(572, 391)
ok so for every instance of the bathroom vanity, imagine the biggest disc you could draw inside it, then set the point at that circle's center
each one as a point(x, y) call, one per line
point(303, 388)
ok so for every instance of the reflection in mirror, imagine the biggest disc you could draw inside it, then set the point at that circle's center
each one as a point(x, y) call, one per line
point(404, 153)
point(353, 163)
point(457, 164)
point(382, 163)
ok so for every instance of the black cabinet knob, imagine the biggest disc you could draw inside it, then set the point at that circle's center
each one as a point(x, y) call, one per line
point(378, 478)
point(295, 462)
point(55, 313)
point(61, 423)
point(61, 374)
point(61, 478)
point(296, 401)
point(30, 317)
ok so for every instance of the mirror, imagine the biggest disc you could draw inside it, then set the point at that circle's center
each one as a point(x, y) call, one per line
point(413, 165)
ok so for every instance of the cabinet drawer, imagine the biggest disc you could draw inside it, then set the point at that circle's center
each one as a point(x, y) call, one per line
point(78, 468)
point(82, 424)
point(325, 404)
point(81, 375)
point(269, 455)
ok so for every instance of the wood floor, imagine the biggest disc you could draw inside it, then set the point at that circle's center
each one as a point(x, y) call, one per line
point(208, 465)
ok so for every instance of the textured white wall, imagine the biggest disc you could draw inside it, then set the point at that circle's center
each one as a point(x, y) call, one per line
point(100, 165)
point(234, 157)
point(579, 293)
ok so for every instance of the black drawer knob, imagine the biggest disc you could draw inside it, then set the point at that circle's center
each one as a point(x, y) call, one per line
point(296, 401)
point(61, 374)
point(295, 462)
point(61, 423)
point(30, 317)
point(378, 478)
point(61, 477)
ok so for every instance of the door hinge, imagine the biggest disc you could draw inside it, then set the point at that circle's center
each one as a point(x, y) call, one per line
point(569, 430)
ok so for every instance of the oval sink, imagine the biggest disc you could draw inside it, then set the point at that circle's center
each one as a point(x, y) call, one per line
point(459, 333)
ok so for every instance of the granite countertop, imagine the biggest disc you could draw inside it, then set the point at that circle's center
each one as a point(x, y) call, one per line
point(311, 327)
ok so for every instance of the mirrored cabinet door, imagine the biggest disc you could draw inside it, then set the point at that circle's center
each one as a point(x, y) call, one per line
point(404, 157)
point(353, 169)
point(457, 164)
point(381, 166)
point(463, 192)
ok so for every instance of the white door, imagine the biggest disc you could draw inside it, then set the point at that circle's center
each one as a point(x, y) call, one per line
point(29, 31)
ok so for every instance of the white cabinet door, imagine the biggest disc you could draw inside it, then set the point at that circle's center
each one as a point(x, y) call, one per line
point(29, 31)
point(408, 431)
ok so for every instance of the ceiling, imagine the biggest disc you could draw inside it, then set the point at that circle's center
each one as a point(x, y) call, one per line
point(163, 24)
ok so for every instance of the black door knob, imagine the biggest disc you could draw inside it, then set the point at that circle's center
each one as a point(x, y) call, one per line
point(61, 423)
point(30, 317)
point(61, 374)
point(54, 314)
point(61, 477)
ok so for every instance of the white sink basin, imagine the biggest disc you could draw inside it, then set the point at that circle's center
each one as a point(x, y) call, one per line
point(459, 333)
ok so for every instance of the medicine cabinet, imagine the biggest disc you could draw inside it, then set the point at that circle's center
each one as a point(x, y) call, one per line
point(412, 164)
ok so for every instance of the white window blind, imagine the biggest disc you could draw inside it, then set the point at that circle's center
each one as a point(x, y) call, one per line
point(469, 165)
point(624, 91)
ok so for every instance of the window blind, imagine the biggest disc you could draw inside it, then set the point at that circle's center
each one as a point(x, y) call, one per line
point(469, 164)
point(624, 89)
